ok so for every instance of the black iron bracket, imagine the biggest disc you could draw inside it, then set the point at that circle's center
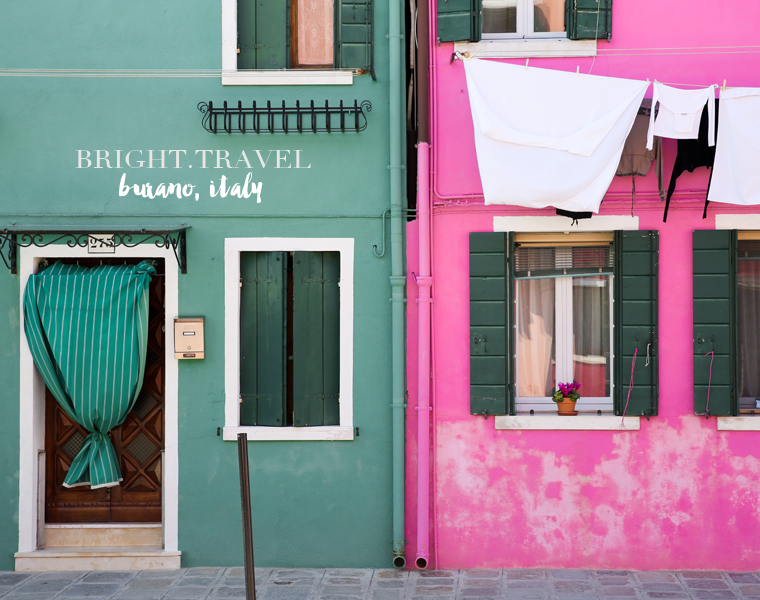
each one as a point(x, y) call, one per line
point(285, 119)
point(12, 239)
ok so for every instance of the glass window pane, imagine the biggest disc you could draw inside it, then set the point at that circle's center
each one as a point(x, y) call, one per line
point(499, 16)
point(748, 284)
point(591, 335)
point(315, 32)
point(535, 337)
point(548, 16)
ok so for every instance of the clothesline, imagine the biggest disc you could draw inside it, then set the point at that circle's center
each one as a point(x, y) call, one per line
point(466, 55)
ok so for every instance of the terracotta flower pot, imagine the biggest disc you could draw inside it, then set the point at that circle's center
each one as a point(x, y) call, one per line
point(566, 407)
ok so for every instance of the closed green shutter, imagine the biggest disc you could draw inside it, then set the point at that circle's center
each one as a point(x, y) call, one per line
point(316, 330)
point(588, 19)
point(714, 322)
point(263, 27)
point(355, 36)
point(491, 342)
point(459, 20)
point(635, 295)
point(262, 296)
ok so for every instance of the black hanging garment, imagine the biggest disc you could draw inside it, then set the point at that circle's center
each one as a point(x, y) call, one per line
point(693, 154)
point(574, 215)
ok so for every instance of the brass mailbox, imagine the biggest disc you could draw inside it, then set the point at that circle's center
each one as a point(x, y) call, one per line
point(188, 338)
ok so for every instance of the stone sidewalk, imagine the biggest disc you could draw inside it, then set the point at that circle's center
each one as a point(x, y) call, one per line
point(381, 584)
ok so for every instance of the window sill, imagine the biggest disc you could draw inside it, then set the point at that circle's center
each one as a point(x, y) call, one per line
point(554, 422)
point(290, 434)
point(739, 423)
point(527, 48)
point(288, 78)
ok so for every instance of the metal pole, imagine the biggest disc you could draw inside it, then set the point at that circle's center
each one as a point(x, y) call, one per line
point(245, 501)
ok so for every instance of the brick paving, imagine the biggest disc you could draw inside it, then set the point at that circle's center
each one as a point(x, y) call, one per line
point(212, 583)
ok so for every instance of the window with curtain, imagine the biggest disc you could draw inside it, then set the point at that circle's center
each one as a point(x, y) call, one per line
point(563, 316)
point(748, 304)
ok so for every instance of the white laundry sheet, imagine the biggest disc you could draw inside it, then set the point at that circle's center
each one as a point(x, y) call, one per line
point(548, 138)
point(736, 172)
point(680, 112)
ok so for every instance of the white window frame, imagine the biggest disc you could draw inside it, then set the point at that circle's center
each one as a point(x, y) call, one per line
point(232, 250)
point(525, 24)
point(231, 75)
point(563, 320)
point(554, 422)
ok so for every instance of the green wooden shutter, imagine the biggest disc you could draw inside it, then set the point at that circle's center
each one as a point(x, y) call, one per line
point(491, 345)
point(316, 329)
point(459, 20)
point(263, 27)
point(354, 36)
point(714, 321)
point(635, 300)
point(588, 19)
point(262, 296)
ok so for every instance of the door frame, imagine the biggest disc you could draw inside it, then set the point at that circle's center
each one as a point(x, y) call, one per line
point(32, 401)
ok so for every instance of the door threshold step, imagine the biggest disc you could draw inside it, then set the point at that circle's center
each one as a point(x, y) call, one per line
point(104, 558)
point(91, 535)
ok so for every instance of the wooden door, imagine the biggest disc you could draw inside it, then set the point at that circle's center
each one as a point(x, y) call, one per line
point(139, 442)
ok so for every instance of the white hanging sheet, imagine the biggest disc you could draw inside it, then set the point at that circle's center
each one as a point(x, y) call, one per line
point(548, 138)
point(680, 112)
point(736, 172)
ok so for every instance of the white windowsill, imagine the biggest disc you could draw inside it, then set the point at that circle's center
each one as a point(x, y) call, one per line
point(555, 422)
point(527, 48)
point(748, 423)
point(289, 434)
point(288, 77)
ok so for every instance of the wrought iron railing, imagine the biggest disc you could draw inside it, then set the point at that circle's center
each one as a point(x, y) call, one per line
point(285, 119)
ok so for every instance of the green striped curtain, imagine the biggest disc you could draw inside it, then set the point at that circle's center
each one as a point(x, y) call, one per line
point(87, 329)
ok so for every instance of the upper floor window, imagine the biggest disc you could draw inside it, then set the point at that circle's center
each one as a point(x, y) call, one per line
point(304, 34)
point(489, 20)
point(523, 19)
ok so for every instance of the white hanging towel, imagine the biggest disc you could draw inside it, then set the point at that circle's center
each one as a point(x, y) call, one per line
point(548, 138)
point(680, 113)
point(736, 176)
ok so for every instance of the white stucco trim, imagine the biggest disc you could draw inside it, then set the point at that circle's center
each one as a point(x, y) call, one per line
point(231, 76)
point(748, 423)
point(562, 224)
point(563, 423)
point(292, 77)
point(32, 398)
point(527, 48)
point(232, 249)
point(737, 222)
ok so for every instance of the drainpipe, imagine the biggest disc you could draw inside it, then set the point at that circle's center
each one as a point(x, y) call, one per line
point(424, 284)
point(397, 279)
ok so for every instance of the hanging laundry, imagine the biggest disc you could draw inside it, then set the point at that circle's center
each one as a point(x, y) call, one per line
point(693, 154)
point(679, 113)
point(736, 175)
point(548, 138)
point(636, 159)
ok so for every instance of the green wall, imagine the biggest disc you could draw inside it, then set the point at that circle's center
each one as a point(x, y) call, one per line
point(314, 503)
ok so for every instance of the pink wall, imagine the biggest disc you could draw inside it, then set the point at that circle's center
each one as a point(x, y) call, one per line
point(677, 493)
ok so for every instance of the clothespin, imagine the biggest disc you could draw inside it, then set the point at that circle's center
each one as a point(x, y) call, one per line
point(527, 60)
point(723, 89)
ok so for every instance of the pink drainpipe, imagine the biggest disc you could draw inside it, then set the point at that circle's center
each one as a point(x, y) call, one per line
point(424, 283)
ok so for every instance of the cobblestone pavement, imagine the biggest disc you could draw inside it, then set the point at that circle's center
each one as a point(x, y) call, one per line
point(381, 584)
